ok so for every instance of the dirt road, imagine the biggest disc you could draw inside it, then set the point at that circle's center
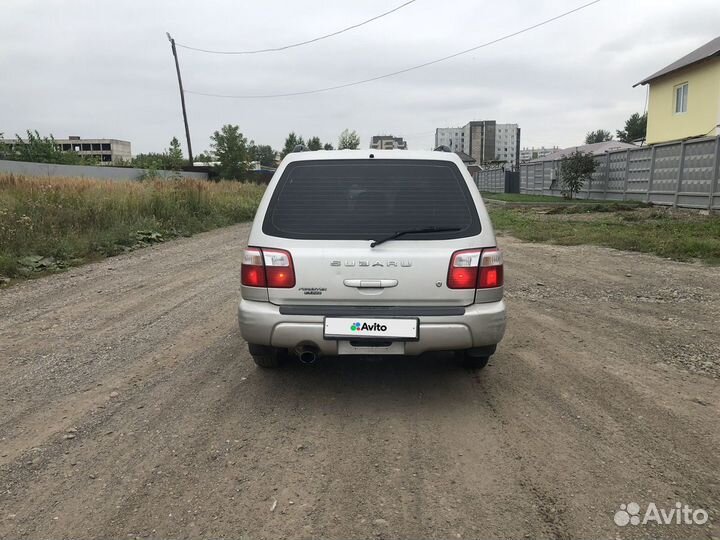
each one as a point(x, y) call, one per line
point(130, 407)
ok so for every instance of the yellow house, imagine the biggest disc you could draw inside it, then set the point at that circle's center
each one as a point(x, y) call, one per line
point(684, 97)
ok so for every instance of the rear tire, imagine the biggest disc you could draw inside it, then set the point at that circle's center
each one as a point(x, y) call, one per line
point(476, 358)
point(474, 362)
point(266, 357)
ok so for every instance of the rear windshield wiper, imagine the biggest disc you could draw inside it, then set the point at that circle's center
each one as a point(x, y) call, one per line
point(413, 231)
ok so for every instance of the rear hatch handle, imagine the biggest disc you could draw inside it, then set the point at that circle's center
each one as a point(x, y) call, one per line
point(370, 283)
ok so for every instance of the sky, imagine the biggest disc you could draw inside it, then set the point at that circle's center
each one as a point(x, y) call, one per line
point(102, 69)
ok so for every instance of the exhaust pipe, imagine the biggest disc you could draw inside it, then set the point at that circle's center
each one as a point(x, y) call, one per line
point(308, 355)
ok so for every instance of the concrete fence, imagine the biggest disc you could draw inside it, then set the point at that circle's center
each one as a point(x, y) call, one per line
point(88, 171)
point(683, 174)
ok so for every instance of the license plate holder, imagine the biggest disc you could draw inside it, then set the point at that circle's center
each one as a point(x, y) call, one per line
point(359, 328)
point(356, 347)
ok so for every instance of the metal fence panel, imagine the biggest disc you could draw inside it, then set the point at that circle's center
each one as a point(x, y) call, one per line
point(597, 185)
point(616, 175)
point(714, 196)
point(698, 169)
point(492, 181)
point(638, 173)
point(666, 173)
point(538, 183)
point(547, 177)
point(681, 174)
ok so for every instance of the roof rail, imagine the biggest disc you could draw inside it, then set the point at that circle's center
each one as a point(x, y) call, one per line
point(443, 148)
point(300, 148)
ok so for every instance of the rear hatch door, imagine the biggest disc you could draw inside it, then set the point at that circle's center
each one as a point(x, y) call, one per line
point(326, 213)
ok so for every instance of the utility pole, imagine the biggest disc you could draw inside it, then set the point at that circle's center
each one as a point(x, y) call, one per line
point(182, 98)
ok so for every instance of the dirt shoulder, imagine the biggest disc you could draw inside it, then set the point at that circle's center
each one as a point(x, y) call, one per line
point(130, 408)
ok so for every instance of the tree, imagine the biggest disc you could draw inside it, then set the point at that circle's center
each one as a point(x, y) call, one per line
point(230, 147)
point(4, 148)
point(175, 155)
point(291, 142)
point(574, 170)
point(204, 157)
point(349, 140)
point(328, 146)
point(151, 160)
point(314, 143)
point(263, 154)
point(600, 135)
point(635, 128)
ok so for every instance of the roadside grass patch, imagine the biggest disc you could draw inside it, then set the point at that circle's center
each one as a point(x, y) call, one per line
point(591, 207)
point(530, 198)
point(520, 197)
point(47, 224)
point(679, 235)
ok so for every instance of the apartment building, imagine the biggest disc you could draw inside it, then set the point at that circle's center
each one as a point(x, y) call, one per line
point(387, 142)
point(507, 144)
point(453, 138)
point(485, 140)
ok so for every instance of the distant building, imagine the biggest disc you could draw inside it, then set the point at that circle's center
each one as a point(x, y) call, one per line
point(453, 138)
point(684, 98)
point(486, 141)
point(388, 142)
point(104, 150)
point(507, 144)
point(533, 152)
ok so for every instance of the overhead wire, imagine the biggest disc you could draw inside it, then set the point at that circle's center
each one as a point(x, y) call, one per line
point(301, 43)
point(401, 71)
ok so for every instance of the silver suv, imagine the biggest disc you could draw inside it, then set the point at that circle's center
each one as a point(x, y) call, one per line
point(371, 253)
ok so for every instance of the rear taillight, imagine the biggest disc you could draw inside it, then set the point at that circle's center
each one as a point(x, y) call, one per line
point(464, 269)
point(253, 269)
point(279, 269)
point(475, 269)
point(491, 269)
point(271, 268)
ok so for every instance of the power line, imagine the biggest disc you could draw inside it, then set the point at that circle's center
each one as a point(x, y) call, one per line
point(419, 66)
point(300, 44)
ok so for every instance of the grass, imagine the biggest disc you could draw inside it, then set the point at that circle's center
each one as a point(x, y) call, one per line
point(530, 198)
point(680, 235)
point(51, 223)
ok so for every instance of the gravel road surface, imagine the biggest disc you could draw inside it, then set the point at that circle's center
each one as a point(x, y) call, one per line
point(130, 408)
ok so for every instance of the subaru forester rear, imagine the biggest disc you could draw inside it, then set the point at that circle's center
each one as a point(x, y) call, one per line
point(371, 253)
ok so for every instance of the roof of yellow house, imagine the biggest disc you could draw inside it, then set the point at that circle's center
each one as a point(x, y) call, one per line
point(711, 48)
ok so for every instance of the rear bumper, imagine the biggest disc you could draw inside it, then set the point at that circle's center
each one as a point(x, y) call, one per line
point(261, 323)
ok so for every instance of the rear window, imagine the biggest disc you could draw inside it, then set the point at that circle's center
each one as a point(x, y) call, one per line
point(367, 199)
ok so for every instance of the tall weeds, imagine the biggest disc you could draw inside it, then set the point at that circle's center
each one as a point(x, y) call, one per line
point(65, 221)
